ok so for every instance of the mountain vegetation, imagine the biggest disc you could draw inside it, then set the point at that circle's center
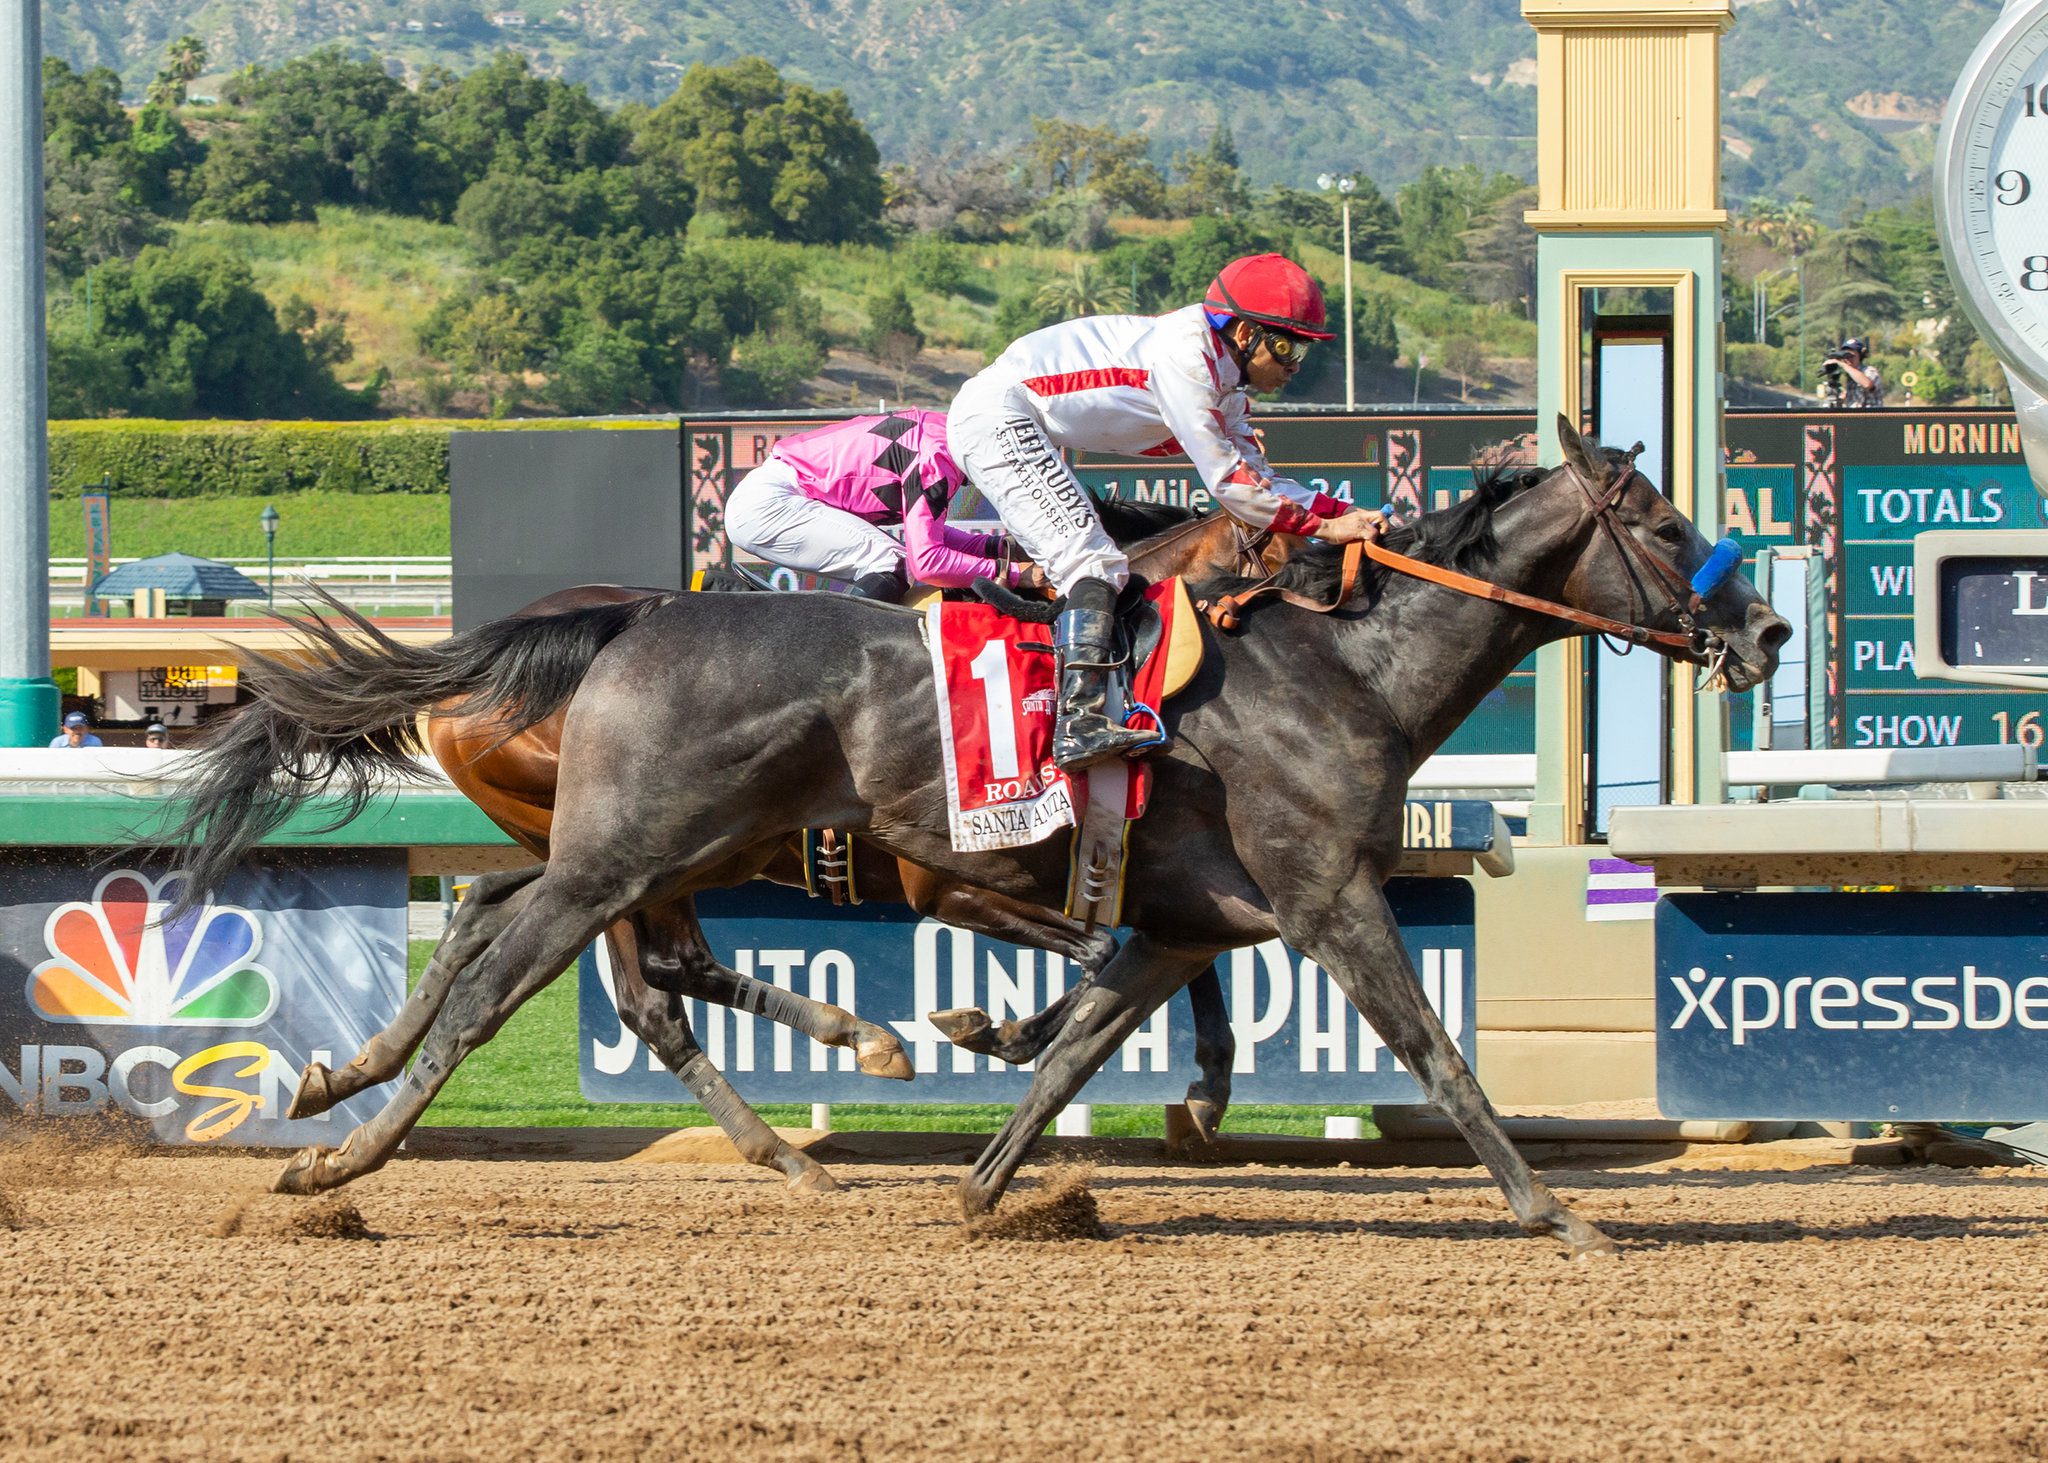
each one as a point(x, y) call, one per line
point(522, 245)
point(1833, 99)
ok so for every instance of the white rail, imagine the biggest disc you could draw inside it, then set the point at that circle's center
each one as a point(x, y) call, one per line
point(1873, 766)
point(1510, 776)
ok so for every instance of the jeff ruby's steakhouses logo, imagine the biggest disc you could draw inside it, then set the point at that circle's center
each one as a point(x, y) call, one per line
point(115, 961)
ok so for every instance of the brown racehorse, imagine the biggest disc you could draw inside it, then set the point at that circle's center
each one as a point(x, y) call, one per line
point(659, 951)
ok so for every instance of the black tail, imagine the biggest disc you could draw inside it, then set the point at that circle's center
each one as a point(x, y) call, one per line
point(330, 727)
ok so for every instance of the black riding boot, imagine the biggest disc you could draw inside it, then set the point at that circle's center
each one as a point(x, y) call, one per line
point(889, 587)
point(1085, 638)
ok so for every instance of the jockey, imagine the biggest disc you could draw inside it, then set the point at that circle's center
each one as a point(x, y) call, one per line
point(1138, 386)
point(813, 506)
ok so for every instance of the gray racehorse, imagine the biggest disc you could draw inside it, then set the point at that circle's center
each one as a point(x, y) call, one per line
point(707, 730)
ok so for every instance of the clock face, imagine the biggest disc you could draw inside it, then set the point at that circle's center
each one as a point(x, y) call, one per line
point(1992, 190)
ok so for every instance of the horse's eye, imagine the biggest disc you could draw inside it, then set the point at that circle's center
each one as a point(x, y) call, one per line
point(1672, 534)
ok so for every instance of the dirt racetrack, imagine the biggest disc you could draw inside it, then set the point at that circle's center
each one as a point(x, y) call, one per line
point(496, 1309)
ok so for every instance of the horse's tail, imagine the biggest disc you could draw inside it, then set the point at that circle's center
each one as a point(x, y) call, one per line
point(332, 725)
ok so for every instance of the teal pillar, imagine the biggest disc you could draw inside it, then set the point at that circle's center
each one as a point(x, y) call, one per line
point(28, 711)
point(1688, 263)
point(28, 697)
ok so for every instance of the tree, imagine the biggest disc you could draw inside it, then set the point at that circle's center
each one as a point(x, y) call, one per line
point(1316, 217)
point(1113, 165)
point(771, 157)
point(595, 367)
point(82, 112)
point(353, 134)
point(109, 182)
point(957, 195)
point(1438, 207)
point(936, 266)
point(1984, 373)
point(1790, 228)
point(892, 336)
point(1076, 219)
point(488, 334)
point(1084, 291)
point(184, 59)
point(185, 332)
point(1848, 265)
point(1200, 254)
point(1210, 181)
point(1499, 263)
point(504, 118)
point(1464, 357)
point(256, 177)
point(91, 215)
point(768, 366)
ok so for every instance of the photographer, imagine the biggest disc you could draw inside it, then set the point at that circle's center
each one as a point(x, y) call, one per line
point(1846, 381)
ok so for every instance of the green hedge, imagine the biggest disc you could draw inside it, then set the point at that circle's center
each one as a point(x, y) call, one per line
point(175, 459)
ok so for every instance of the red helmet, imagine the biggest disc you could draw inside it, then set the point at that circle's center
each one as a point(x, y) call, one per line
point(1270, 289)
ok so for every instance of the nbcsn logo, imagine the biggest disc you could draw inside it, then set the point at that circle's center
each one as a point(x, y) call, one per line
point(116, 961)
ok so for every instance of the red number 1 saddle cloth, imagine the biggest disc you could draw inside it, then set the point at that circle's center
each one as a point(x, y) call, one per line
point(997, 698)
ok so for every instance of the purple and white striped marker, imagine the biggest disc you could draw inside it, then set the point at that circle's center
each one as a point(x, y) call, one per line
point(1618, 889)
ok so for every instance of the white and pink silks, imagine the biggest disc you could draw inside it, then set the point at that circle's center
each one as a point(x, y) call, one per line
point(819, 503)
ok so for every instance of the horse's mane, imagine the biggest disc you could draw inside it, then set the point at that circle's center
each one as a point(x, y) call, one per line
point(1129, 523)
point(1458, 537)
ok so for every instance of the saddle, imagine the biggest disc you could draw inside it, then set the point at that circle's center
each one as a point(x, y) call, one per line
point(1162, 635)
point(1114, 794)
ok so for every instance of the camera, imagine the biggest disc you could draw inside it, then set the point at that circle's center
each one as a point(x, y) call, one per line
point(1838, 389)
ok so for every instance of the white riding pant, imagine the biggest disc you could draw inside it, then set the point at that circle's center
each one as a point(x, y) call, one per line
point(996, 436)
point(768, 514)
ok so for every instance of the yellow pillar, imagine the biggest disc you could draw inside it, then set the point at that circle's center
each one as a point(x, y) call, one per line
point(1628, 196)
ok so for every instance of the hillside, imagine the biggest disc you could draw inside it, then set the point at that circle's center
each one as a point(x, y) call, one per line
point(1831, 98)
point(380, 275)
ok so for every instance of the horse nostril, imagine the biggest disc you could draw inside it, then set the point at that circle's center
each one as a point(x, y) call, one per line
point(1773, 635)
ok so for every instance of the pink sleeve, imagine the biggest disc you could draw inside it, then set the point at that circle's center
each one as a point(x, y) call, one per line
point(935, 557)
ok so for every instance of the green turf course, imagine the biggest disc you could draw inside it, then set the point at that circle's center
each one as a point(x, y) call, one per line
point(525, 1077)
point(315, 525)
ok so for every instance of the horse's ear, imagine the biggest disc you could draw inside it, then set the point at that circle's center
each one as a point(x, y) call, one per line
point(1575, 453)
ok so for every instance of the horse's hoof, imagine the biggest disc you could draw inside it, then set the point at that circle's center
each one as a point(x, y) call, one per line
point(315, 1095)
point(1206, 1116)
point(966, 1026)
point(1593, 1245)
point(975, 1200)
point(885, 1058)
point(311, 1171)
point(812, 1177)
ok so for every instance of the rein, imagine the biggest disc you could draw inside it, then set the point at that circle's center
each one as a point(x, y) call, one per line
point(1226, 611)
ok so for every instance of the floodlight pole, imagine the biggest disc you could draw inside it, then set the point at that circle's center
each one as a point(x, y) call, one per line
point(269, 520)
point(28, 697)
point(1344, 186)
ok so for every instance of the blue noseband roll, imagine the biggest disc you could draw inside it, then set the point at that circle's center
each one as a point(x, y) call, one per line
point(1720, 564)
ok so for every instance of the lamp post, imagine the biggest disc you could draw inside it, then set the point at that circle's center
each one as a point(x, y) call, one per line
point(269, 522)
point(1345, 185)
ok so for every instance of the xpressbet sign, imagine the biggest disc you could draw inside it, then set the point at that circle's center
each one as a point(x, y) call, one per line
point(1864, 1006)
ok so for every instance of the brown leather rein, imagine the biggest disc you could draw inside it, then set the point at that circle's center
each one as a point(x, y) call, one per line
point(1225, 611)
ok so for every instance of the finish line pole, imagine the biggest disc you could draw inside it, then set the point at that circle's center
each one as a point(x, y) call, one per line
point(28, 697)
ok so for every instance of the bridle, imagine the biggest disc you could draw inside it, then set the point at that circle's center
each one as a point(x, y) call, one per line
point(1248, 545)
point(1691, 642)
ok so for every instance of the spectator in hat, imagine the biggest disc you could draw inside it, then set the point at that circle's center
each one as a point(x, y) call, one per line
point(156, 735)
point(76, 733)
